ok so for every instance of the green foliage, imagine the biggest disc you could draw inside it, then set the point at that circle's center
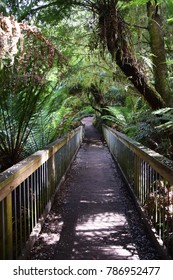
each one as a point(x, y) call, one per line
point(87, 111)
point(116, 117)
point(62, 101)
point(31, 117)
point(165, 118)
point(131, 3)
point(153, 130)
point(33, 8)
point(20, 108)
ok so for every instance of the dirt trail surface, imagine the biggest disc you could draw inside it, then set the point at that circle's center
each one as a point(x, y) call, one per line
point(93, 215)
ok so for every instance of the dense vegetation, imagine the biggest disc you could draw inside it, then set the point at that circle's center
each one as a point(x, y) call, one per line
point(61, 60)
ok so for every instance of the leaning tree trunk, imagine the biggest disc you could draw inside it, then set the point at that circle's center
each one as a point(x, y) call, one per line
point(155, 28)
point(114, 35)
point(97, 100)
point(139, 81)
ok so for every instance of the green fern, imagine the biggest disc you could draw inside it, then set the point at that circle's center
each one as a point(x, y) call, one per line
point(116, 115)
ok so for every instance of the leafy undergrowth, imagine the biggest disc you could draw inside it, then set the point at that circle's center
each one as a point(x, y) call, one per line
point(151, 128)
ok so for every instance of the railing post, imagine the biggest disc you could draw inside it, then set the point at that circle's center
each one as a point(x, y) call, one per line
point(51, 176)
point(136, 175)
point(8, 227)
point(2, 243)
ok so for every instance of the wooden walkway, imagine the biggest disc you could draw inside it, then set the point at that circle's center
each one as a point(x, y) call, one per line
point(93, 216)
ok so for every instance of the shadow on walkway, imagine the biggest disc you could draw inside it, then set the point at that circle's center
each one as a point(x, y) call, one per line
point(93, 216)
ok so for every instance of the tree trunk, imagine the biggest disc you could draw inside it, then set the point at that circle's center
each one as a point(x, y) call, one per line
point(115, 35)
point(158, 51)
point(96, 98)
point(139, 81)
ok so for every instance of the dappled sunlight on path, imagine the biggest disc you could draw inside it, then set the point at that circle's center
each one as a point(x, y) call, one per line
point(93, 216)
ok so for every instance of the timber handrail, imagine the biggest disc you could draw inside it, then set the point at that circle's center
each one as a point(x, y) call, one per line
point(161, 164)
point(27, 190)
point(15, 175)
point(150, 178)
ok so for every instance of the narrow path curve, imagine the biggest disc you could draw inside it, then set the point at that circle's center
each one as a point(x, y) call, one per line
point(93, 216)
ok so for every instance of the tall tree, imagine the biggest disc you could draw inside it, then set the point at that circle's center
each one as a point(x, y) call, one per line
point(115, 35)
point(155, 28)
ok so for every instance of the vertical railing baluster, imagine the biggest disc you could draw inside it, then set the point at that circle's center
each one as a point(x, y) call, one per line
point(40, 189)
point(2, 231)
point(45, 186)
point(139, 177)
point(32, 202)
point(35, 197)
point(8, 227)
point(15, 224)
point(20, 218)
point(24, 211)
point(28, 206)
point(38, 194)
point(45, 181)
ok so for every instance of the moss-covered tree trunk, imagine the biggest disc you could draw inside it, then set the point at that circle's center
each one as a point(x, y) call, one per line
point(115, 35)
point(155, 28)
point(97, 100)
point(148, 92)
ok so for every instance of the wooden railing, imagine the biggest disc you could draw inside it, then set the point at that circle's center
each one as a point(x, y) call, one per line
point(26, 194)
point(150, 177)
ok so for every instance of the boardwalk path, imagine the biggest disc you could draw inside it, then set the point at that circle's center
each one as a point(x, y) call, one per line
point(93, 216)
